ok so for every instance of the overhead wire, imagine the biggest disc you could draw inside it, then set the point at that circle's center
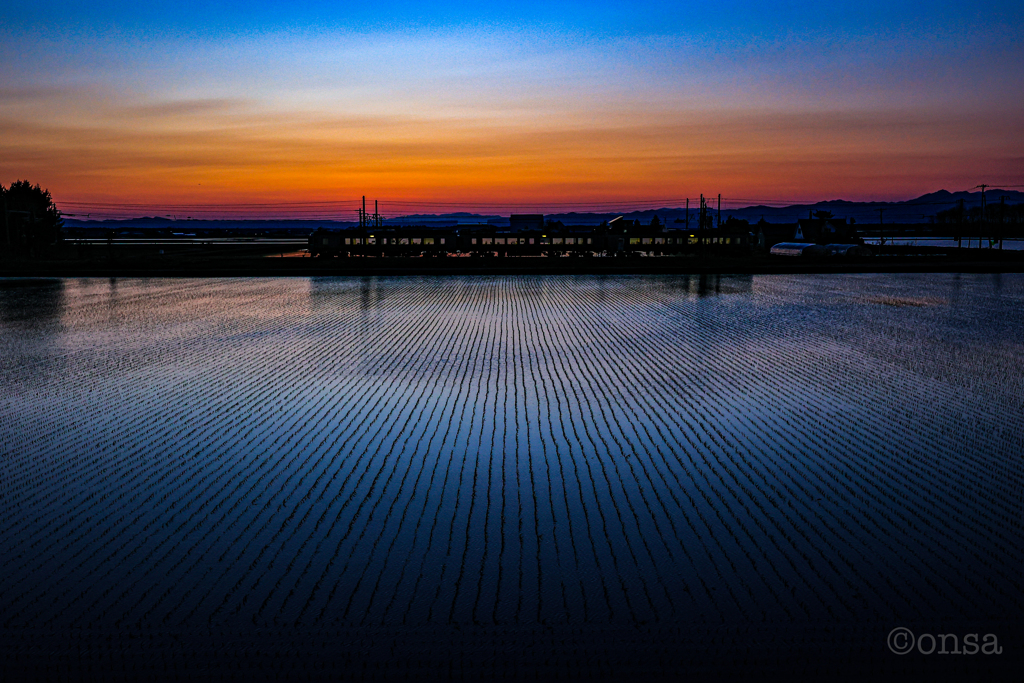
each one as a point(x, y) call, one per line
point(346, 209)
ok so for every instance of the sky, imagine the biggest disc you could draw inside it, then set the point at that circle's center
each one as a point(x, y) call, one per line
point(171, 107)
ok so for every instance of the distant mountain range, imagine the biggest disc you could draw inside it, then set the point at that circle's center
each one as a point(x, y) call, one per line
point(919, 210)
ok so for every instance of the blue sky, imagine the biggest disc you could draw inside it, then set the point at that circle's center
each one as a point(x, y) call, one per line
point(542, 99)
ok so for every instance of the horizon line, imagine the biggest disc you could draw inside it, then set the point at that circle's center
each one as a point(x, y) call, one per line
point(345, 211)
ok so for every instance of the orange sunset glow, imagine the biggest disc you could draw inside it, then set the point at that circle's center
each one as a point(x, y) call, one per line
point(498, 118)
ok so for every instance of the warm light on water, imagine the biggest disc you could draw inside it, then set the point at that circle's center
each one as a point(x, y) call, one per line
point(511, 451)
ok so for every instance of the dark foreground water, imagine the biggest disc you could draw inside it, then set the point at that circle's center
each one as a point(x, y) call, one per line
point(511, 476)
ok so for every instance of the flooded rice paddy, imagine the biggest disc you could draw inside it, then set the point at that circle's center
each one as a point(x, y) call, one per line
point(198, 456)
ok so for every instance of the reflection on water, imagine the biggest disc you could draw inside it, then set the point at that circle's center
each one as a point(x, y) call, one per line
point(511, 450)
point(31, 300)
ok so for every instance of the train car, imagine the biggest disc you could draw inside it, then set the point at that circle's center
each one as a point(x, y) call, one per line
point(553, 240)
point(324, 243)
point(499, 243)
point(381, 242)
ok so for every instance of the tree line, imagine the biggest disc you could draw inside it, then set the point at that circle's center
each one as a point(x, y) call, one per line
point(31, 222)
point(993, 213)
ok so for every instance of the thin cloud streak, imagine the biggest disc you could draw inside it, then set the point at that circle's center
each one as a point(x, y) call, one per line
point(490, 112)
point(229, 150)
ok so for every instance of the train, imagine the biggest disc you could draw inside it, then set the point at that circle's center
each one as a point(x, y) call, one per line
point(553, 241)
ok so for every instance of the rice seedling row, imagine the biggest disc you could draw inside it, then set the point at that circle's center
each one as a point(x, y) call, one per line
point(531, 450)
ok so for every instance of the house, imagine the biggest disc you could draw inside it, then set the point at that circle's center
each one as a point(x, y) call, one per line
point(824, 230)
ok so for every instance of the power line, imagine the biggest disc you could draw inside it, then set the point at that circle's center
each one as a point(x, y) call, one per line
point(652, 204)
point(339, 209)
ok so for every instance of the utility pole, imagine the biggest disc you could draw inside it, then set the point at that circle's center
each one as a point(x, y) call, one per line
point(881, 237)
point(700, 223)
point(687, 214)
point(719, 209)
point(981, 228)
point(1002, 220)
point(7, 224)
point(960, 231)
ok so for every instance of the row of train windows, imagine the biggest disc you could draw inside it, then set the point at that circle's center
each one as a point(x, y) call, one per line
point(405, 241)
point(567, 240)
point(682, 240)
point(393, 241)
point(503, 240)
point(524, 240)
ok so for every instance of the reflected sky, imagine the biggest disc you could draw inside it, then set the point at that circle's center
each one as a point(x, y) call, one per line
point(520, 451)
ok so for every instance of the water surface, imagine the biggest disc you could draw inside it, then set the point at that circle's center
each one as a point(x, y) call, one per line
point(512, 451)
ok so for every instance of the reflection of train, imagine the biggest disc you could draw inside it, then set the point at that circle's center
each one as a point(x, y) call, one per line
point(487, 240)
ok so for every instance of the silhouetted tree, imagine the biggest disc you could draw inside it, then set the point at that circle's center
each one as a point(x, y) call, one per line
point(655, 222)
point(31, 221)
point(823, 215)
point(955, 215)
